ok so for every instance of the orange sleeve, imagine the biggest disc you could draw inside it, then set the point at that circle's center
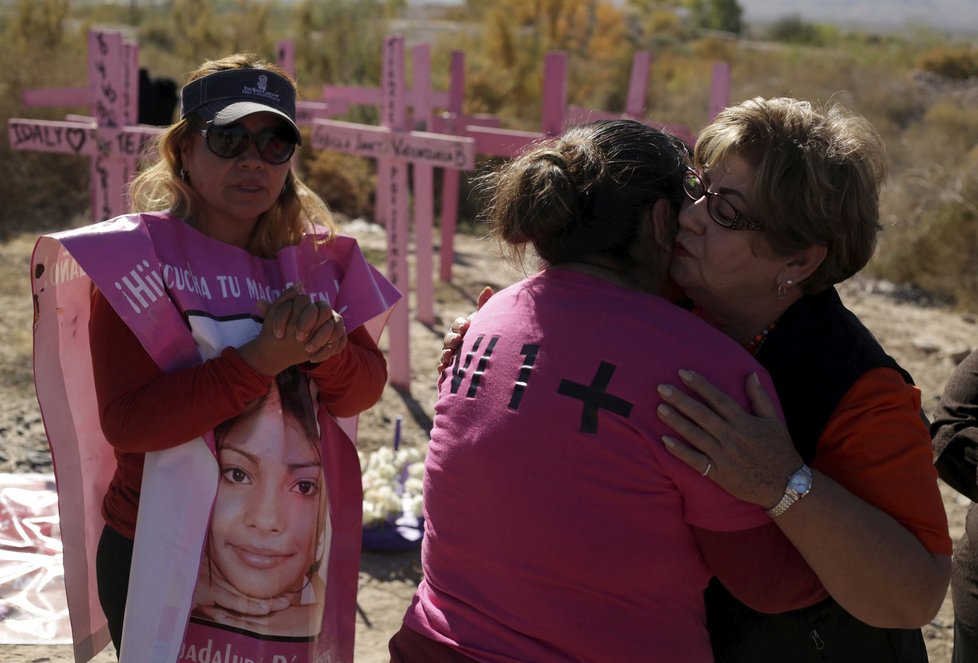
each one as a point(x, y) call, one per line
point(877, 445)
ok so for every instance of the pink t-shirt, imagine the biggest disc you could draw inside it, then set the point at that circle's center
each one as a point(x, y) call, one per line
point(557, 525)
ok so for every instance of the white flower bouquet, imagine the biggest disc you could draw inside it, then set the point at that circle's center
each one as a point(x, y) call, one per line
point(392, 481)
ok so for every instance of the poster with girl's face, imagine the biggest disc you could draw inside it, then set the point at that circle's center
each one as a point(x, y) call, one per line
point(261, 586)
point(263, 568)
point(252, 591)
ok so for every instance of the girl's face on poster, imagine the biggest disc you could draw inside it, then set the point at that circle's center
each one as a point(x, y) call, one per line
point(269, 506)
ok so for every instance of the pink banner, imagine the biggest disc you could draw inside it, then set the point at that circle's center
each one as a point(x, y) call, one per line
point(186, 297)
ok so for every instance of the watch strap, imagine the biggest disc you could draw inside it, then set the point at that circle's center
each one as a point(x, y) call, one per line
point(790, 494)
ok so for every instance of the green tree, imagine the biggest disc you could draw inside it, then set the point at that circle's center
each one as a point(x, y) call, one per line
point(726, 15)
point(38, 23)
point(340, 41)
point(793, 30)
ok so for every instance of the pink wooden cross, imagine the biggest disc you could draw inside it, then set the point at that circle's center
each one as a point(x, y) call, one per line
point(111, 138)
point(394, 147)
point(635, 104)
point(492, 140)
point(371, 96)
point(423, 100)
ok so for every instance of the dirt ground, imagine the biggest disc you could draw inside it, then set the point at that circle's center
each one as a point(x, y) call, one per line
point(926, 339)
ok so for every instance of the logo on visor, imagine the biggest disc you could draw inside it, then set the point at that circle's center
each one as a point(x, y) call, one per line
point(261, 90)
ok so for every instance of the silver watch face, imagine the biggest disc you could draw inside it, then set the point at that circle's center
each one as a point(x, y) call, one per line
point(800, 482)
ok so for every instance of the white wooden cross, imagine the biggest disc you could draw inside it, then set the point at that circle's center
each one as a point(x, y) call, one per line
point(111, 138)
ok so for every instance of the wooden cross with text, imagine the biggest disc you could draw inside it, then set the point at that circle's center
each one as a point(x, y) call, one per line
point(394, 147)
point(111, 138)
point(423, 101)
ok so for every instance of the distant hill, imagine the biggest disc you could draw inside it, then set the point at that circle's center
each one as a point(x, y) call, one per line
point(958, 16)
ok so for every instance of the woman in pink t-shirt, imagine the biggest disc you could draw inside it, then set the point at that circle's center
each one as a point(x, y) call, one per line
point(784, 205)
point(558, 527)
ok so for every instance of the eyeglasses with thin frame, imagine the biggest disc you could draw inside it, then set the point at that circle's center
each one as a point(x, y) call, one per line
point(719, 209)
point(275, 146)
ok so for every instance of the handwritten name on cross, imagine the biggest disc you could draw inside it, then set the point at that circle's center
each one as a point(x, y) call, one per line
point(394, 147)
point(110, 138)
point(422, 98)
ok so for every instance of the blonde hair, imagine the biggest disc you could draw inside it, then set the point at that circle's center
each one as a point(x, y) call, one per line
point(817, 178)
point(160, 187)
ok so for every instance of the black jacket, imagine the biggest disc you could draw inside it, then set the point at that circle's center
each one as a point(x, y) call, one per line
point(817, 350)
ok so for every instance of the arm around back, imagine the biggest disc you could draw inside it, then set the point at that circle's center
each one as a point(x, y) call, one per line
point(761, 568)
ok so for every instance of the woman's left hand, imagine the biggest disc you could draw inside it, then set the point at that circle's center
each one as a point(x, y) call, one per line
point(314, 324)
point(748, 455)
point(327, 337)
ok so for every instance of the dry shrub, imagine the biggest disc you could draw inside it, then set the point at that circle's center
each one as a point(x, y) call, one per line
point(959, 63)
point(931, 239)
point(346, 182)
point(959, 124)
point(793, 29)
point(715, 48)
point(39, 191)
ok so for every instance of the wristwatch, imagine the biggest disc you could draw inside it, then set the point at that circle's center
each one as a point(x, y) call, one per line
point(799, 485)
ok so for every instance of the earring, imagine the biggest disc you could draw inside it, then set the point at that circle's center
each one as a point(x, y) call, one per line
point(783, 288)
point(184, 175)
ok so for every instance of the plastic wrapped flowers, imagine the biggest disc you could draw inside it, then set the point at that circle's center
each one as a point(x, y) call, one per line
point(392, 481)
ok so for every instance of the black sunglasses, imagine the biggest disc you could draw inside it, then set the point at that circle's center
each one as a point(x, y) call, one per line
point(719, 209)
point(275, 146)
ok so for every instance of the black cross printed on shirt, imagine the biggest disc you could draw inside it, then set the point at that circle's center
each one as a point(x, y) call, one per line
point(595, 397)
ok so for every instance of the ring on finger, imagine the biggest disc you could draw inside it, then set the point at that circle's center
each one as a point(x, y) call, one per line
point(709, 466)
